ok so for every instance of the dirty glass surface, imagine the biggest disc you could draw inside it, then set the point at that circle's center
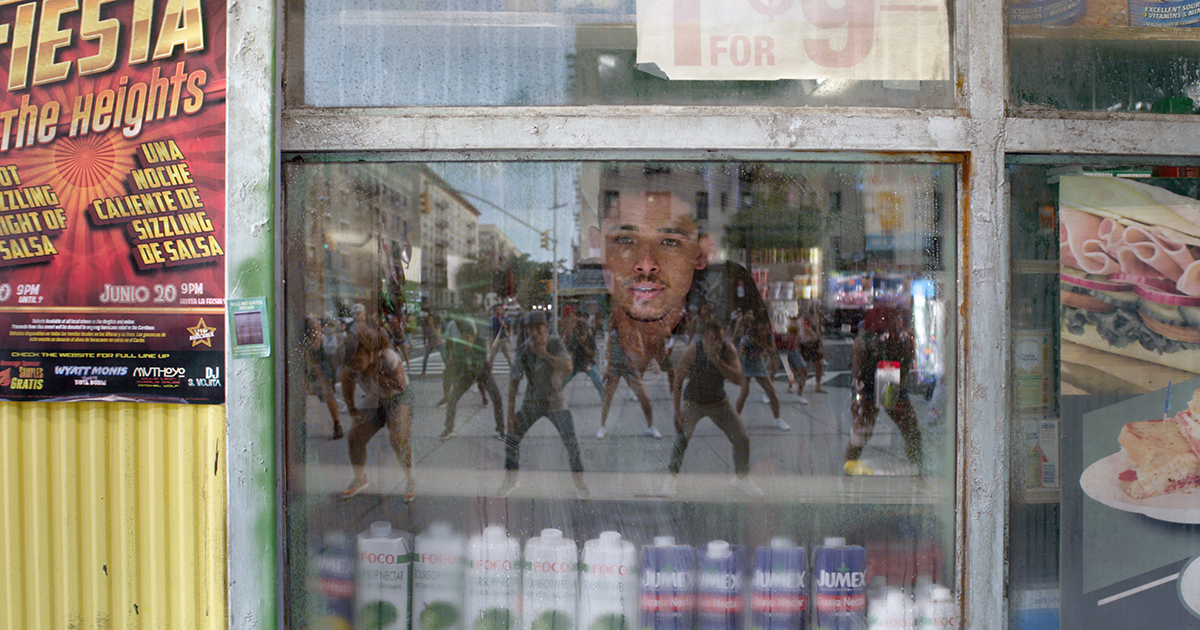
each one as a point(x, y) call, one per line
point(356, 53)
point(1105, 55)
point(1106, 392)
point(758, 353)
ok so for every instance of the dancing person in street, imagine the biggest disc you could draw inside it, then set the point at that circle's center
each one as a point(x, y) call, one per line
point(542, 361)
point(319, 369)
point(397, 327)
point(884, 342)
point(811, 344)
point(787, 345)
point(580, 340)
point(705, 365)
point(431, 330)
point(499, 340)
point(381, 399)
point(619, 368)
point(758, 351)
point(468, 365)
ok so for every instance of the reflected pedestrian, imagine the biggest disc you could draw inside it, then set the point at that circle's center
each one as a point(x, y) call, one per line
point(542, 361)
point(881, 364)
point(757, 348)
point(468, 366)
point(499, 340)
point(375, 387)
point(319, 369)
point(705, 365)
point(580, 340)
point(787, 345)
point(812, 344)
point(431, 331)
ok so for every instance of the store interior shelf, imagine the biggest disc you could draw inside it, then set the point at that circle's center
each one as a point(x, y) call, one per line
point(1106, 33)
point(1039, 495)
point(692, 488)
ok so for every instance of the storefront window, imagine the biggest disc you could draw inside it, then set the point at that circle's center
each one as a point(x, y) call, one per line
point(564, 52)
point(1104, 55)
point(549, 368)
point(1106, 357)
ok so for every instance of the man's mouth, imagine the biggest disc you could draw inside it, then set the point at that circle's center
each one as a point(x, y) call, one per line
point(646, 292)
point(646, 288)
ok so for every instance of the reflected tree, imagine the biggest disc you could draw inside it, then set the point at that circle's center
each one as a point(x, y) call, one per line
point(526, 281)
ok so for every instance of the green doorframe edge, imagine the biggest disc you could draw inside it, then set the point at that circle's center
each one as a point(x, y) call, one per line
point(251, 163)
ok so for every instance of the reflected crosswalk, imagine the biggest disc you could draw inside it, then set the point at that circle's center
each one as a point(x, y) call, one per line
point(435, 363)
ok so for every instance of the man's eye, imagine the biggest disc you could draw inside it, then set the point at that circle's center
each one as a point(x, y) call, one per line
point(672, 242)
point(622, 240)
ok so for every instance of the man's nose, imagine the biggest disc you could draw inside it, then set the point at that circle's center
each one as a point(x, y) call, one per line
point(647, 261)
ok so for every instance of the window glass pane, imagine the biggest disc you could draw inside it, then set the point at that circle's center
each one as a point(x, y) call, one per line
point(1106, 357)
point(1104, 55)
point(450, 323)
point(564, 52)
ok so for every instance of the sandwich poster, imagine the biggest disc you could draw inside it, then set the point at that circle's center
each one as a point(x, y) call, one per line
point(1140, 514)
point(112, 200)
point(1129, 282)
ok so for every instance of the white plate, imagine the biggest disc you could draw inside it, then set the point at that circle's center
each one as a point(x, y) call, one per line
point(1100, 482)
point(1189, 586)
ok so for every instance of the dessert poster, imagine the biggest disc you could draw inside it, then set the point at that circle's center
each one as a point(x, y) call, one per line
point(1131, 555)
point(112, 200)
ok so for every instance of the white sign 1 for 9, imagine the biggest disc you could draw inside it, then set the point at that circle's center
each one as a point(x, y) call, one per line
point(763, 40)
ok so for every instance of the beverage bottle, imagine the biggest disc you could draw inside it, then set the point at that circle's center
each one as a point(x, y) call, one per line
point(493, 581)
point(668, 585)
point(383, 583)
point(779, 596)
point(608, 589)
point(437, 594)
point(897, 611)
point(943, 614)
point(551, 582)
point(839, 586)
point(720, 583)
point(334, 583)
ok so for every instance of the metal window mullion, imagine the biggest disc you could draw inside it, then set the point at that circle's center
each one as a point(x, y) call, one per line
point(983, 386)
point(1104, 134)
point(621, 128)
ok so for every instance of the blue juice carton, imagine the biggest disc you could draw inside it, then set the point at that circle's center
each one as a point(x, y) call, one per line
point(719, 583)
point(333, 583)
point(668, 585)
point(839, 586)
point(1045, 12)
point(779, 595)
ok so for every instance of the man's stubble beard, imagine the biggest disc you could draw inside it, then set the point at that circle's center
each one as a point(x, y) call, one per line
point(645, 319)
point(648, 319)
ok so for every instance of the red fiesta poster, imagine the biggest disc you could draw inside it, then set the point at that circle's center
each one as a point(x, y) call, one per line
point(112, 200)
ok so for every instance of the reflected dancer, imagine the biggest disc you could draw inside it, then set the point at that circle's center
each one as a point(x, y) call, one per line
point(543, 361)
point(381, 399)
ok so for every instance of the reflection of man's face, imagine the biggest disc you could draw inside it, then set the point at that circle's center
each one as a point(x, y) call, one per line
point(713, 337)
point(649, 252)
point(360, 362)
point(538, 334)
